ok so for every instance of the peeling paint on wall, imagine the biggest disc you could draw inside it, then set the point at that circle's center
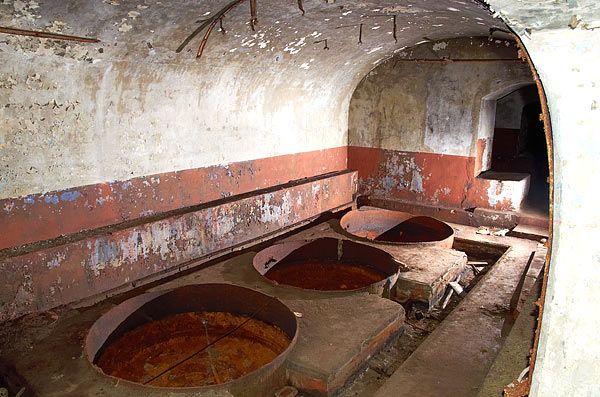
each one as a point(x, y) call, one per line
point(100, 263)
point(41, 217)
point(432, 179)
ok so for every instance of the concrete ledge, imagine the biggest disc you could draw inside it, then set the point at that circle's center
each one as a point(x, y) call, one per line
point(502, 190)
point(69, 272)
point(475, 217)
point(38, 217)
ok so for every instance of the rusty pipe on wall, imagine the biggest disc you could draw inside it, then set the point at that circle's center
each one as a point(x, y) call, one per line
point(220, 14)
point(46, 35)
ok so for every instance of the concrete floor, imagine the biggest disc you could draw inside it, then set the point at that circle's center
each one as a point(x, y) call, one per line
point(46, 350)
point(455, 359)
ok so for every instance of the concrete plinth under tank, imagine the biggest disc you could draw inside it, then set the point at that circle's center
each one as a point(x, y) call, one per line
point(426, 269)
point(337, 331)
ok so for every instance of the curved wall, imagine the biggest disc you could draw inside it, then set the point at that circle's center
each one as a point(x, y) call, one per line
point(415, 126)
point(76, 115)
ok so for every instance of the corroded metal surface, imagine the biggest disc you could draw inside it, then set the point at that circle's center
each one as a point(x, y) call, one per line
point(397, 227)
point(545, 116)
point(144, 309)
point(193, 349)
point(329, 265)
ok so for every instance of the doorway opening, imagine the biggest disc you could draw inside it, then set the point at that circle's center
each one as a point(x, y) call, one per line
point(519, 145)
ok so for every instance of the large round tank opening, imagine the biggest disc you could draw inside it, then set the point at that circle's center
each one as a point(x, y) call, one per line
point(397, 227)
point(193, 349)
point(214, 336)
point(327, 264)
point(324, 275)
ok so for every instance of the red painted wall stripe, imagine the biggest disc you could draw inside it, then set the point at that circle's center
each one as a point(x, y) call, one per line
point(428, 178)
point(412, 176)
point(45, 216)
point(58, 275)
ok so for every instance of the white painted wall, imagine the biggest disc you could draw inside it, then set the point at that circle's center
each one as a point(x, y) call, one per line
point(435, 107)
point(75, 114)
point(568, 60)
point(568, 361)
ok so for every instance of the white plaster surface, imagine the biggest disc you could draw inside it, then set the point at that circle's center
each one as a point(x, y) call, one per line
point(434, 107)
point(568, 60)
point(568, 361)
point(74, 114)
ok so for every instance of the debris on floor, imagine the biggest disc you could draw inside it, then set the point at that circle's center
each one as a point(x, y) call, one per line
point(491, 231)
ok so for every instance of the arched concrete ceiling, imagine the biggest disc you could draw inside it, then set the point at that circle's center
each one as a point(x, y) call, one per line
point(168, 111)
point(126, 26)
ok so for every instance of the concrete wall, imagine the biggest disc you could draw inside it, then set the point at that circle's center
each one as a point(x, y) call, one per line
point(563, 42)
point(510, 107)
point(78, 114)
point(418, 131)
point(117, 135)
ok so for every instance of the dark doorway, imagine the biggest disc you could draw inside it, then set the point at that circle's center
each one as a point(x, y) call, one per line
point(520, 144)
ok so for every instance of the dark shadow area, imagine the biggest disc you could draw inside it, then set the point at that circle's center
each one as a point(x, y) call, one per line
point(520, 145)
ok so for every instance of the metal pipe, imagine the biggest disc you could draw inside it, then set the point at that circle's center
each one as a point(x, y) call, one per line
point(457, 60)
point(200, 28)
point(217, 17)
point(46, 35)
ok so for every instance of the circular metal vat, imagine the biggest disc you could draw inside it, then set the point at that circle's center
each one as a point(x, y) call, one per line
point(328, 264)
point(382, 225)
point(202, 337)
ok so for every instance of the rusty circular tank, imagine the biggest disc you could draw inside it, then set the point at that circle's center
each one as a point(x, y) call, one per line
point(328, 265)
point(196, 338)
point(397, 227)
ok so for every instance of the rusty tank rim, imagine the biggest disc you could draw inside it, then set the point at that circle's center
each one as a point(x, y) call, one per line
point(269, 257)
point(356, 223)
point(230, 295)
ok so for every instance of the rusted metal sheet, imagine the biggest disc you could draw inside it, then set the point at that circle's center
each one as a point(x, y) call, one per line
point(197, 298)
point(46, 216)
point(73, 271)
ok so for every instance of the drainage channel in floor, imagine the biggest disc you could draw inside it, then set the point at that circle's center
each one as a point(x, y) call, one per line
point(419, 324)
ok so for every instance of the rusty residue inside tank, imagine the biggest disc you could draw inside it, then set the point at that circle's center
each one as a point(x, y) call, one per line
point(324, 275)
point(415, 230)
point(146, 351)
